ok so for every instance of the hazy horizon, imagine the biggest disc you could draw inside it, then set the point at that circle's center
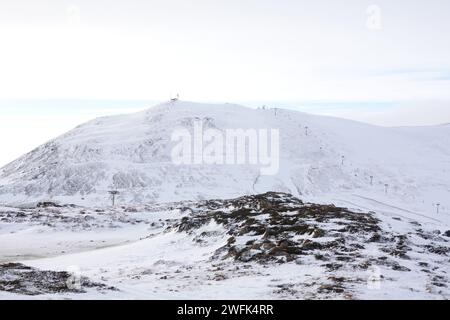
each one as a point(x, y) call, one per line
point(34, 122)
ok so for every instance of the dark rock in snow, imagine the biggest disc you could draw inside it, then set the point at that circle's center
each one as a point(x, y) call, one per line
point(282, 226)
point(20, 279)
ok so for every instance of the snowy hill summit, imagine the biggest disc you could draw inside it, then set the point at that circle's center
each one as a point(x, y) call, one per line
point(320, 159)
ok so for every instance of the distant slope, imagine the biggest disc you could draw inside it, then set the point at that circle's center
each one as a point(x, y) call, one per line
point(131, 153)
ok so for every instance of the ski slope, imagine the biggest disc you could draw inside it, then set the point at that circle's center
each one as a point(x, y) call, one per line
point(332, 158)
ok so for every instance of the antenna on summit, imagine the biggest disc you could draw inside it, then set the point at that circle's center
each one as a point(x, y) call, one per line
point(176, 98)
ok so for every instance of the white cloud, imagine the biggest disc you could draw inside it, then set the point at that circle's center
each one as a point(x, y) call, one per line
point(412, 114)
point(229, 50)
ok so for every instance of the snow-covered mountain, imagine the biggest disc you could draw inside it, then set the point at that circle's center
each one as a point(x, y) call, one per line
point(352, 213)
point(322, 158)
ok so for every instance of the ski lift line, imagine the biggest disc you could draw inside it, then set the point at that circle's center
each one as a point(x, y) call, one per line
point(394, 207)
point(385, 213)
point(359, 207)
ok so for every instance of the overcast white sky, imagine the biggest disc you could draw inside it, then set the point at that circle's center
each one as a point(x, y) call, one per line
point(317, 56)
